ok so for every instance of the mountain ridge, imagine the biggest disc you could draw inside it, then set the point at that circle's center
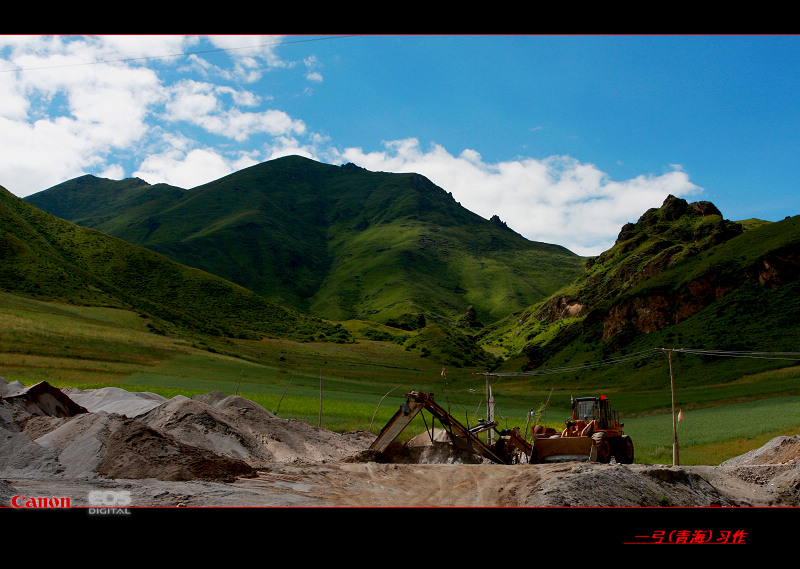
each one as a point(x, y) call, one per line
point(335, 241)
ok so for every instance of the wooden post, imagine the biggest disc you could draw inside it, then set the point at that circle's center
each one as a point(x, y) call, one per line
point(675, 451)
point(489, 412)
point(319, 420)
point(527, 423)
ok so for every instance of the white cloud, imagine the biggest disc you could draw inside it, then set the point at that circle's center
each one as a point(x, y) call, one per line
point(312, 74)
point(557, 200)
point(88, 103)
point(113, 172)
point(190, 99)
point(202, 104)
point(189, 169)
point(121, 118)
point(253, 55)
point(37, 156)
point(75, 115)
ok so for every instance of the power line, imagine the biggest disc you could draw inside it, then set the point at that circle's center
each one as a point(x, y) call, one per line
point(184, 54)
point(788, 356)
point(785, 356)
point(579, 367)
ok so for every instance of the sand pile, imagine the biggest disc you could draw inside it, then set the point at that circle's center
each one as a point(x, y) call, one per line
point(115, 400)
point(236, 427)
point(780, 450)
point(119, 434)
point(429, 447)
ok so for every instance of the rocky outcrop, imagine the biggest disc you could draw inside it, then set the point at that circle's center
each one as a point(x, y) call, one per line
point(638, 285)
point(661, 238)
point(777, 268)
point(653, 312)
point(561, 307)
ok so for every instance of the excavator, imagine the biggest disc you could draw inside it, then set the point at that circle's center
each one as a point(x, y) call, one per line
point(593, 433)
point(508, 449)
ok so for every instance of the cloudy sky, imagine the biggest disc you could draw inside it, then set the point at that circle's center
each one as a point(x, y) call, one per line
point(566, 138)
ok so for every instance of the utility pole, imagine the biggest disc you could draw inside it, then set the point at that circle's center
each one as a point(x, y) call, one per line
point(675, 452)
point(489, 412)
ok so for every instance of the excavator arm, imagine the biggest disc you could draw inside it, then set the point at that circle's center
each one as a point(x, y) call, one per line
point(461, 436)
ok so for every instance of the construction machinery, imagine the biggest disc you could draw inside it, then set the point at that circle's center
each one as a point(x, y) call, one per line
point(509, 448)
point(594, 433)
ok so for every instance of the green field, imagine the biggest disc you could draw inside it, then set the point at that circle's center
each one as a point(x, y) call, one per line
point(343, 387)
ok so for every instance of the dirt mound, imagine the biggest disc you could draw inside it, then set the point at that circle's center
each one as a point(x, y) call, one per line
point(20, 456)
point(134, 450)
point(116, 400)
point(119, 434)
point(201, 425)
point(779, 450)
point(614, 485)
point(105, 444)
point(237, 427)
point(40, 399)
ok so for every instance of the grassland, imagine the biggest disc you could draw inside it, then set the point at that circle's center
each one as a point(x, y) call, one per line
point(344, 387)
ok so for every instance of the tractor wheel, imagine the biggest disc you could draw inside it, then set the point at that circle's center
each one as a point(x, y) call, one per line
point(603, 447)
point(625, 450)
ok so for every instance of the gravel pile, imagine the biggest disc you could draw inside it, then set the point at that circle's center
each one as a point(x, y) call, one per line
point(119, 434)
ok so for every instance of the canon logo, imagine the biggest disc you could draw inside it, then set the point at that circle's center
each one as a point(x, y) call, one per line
point(40, 502)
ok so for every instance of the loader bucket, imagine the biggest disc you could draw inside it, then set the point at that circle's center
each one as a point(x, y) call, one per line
point(559, 449)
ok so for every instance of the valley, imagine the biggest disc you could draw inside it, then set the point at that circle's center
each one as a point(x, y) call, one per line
point(330, 291)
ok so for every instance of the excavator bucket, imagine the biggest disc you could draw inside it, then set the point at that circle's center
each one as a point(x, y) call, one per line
point(558, 449)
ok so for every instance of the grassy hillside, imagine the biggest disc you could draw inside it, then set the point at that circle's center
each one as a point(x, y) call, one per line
point(45, 257)
point(734, 290)
point(337, 242)
point(94, 346)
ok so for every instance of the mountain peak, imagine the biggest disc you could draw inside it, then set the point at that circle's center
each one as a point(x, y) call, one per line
point(674, 208)
point(680, 221)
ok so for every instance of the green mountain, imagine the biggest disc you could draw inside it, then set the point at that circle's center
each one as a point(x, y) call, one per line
point(344, 243)
point(45, 257)
point(337, 242)
point(681, 277)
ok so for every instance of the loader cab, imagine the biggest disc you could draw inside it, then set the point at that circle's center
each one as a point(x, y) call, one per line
point(587, 409)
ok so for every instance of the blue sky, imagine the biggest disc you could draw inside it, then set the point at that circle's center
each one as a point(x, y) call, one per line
point(566, 138)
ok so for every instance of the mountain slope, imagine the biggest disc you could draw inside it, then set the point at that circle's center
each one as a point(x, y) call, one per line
point(338, 242)
point(46, 257)
point(682, 276)
point(661, 239)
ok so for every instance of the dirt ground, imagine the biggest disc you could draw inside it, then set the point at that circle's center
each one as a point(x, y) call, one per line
point(218, 450)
